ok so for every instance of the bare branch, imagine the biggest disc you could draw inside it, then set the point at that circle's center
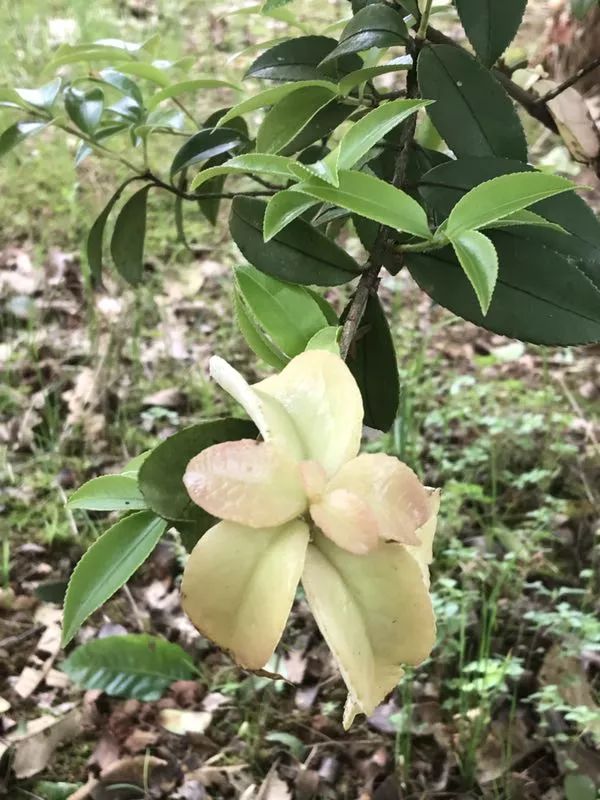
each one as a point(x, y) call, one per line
point(581, 73)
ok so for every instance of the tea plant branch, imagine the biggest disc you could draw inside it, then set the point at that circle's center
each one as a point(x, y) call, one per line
point(156, 181)
point(562, 87)
point(369, 279)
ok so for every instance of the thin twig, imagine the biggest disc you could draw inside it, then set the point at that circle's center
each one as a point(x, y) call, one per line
point(154, 179)
point(562, 87)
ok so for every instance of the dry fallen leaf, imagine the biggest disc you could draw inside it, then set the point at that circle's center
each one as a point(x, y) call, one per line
point(33, 748)
point(183, 722)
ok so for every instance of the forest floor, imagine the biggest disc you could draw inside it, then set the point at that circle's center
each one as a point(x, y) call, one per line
point(505, 708)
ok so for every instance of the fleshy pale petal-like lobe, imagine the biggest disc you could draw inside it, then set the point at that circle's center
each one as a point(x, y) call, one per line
point(347, 520)
point(392, 491)
point(248, 482)
point(239, 585)
point(375, 614)
point(320, 395)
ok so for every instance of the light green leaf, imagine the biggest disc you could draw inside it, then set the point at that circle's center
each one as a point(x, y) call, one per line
point(362, 136)
point(108, 493)
point(255, 338)
point(368, 73)
point(122, 83)
point(269, 97)
point(288, 314)
point(283, 208)
point(94, 244)
point(127, 243)
point(373, 198)
point(274, 166)
point(177, 89)
point(290, 116)
point(147, 71)
point(107, 565)
point(524, 217)
point(501, 196)
point(43, 97)
point(131, 469)
point(326, 339)
point(137, 666)
point(479, 260)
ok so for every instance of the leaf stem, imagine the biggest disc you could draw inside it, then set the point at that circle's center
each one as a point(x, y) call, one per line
point(424, 22)
point(156, 181)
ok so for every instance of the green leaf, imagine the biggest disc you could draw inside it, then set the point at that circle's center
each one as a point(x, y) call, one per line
point(359, 76)
point(43, 97)
point(582, 7)
point(108, 493)
point(299, 59)
point(107, 565)
point(320, 127)
point(501, 196)
point(255, 338)
point(362, 136)
point(127, 243)
point(161, 475)
point(372, 361)
point(14, 135)
point(289, 116)
point(472, 112)
point(326, 339)
point(274, 166)
point(478, 258)
point(287, 314)
point(147, 71)
point(206, 144)
point(376, 25)
point(177, 89)
point(373, 198)
point(524, 218)
point(283, 208)
point(84, 108)
point(491, 25)
point(49, 790)
point(271, 96)
point(579, 787)
point(444, 186)
point(137, 666)
point(298, 254)
point(123, 84)
point(540, 296)
point(96, 236)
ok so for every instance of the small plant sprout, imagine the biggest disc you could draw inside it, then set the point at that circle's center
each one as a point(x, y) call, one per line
point(357, 530)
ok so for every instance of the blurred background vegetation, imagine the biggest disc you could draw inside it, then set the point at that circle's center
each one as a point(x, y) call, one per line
point(507, 705)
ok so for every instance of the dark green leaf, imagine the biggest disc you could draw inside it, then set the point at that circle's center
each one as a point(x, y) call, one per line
point(127, 243)
point(12, 136)
point(287, 118)
point(84, 108)
point(472, 112)
point(123, 84)
point(107, 565)
point(443, 187)
point(320, 126)
point(372, 360)
point(137, 666)
point(540, 296)
point(96, 236)
point(376, 25)
point(206, 144)
point(491, 25)
point(287, 314)
point(161, 475)
point(108, 493)
point(43, 97)
point(51, 591)
point(582, 7)
point(299, 59)
point(298, 254)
